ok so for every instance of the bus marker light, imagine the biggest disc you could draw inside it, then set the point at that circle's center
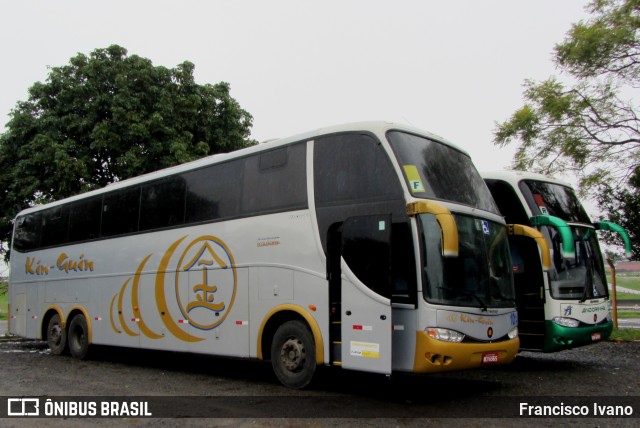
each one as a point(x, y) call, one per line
point(312, 308)
point(242, 322)
point(97, 318)
point(183, 321)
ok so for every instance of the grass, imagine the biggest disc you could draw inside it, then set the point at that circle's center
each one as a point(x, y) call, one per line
point(626, 282)
point(624, 334)
point(4, 297)
point(628, 314)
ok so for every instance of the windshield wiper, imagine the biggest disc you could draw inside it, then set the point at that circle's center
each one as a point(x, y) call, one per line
point(467, 293)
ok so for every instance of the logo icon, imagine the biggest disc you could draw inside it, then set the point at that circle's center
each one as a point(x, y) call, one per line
point(23, 407)
point(199, 294)
point(206, 274)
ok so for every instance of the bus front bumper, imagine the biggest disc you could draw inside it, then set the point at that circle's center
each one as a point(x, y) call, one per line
point(558, 338)
point(433, 356)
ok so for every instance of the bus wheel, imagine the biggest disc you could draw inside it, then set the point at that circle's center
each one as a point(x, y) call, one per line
point(293, 354)
point(78, 337)
point(56, 335)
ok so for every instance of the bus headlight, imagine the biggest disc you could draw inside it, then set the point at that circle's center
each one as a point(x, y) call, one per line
point(444, 334)
point(513, 333)
point(566, 322)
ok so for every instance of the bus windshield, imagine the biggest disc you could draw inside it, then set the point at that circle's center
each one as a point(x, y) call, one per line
point(438, 171)
point(582, 278)
point(556, 200)
point(480, 276)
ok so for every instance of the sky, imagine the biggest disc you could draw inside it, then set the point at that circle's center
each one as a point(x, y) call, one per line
point(453, 68)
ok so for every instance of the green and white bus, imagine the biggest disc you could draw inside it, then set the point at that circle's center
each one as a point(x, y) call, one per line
point(373, 247)
point(566, 304)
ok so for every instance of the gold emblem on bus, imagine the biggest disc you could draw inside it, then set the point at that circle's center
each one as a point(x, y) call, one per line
point(204, 286)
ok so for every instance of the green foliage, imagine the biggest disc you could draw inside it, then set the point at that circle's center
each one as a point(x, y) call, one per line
point(107, 117)
point(588, 126)
point(607, 44)
point(623, 207)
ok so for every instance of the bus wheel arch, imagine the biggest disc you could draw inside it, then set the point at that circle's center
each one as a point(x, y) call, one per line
point(54, 331)
point(293, 354)
point(78, 333)
point(291, 339)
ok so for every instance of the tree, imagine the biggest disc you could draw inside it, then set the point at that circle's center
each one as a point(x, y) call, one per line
point(588, 126)
point(623, 208)
point(107, 117)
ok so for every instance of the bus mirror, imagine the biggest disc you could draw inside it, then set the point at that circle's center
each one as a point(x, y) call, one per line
point(568, 249)
point(607, 225)
point(530, 232)
point(445, 220)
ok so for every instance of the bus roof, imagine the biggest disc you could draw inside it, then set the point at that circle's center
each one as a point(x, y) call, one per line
point(378, 128)
point(514, 177)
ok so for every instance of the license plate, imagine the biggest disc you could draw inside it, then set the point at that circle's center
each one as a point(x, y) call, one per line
point(595, 336)
point(490, 358)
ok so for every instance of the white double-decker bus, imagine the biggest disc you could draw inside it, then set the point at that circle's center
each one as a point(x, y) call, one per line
point(372, 246)
point(564, 304)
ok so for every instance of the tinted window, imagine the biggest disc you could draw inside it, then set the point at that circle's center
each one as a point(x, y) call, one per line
point(352, 168)
point(366, 248)
point(54, 226)
point(27, 232)
point(120, 212)
point(214, 192)
point(275, 180)
point(353, 177)
point(435, 170)
point(162, 204)
point(84, 219)
point(508, 202)
point(554, 199)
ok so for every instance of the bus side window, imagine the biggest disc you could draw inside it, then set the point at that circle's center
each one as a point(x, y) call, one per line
point(120, 212)
point(54, 226)
point(403, 266)
point(214, 192)
point(84, 220)
point(366, 248)
point(275, 181)
point(27, 234)
point(162, 203)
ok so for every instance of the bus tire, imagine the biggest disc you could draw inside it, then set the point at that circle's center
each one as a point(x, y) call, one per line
point(78, 337)
point(56, 335)
point(293, 354)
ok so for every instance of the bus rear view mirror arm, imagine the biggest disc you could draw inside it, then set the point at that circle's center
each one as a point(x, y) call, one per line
point(568, 246)
point(445, 220)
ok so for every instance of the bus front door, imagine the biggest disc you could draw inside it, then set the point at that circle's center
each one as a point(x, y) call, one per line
point(365, 294)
